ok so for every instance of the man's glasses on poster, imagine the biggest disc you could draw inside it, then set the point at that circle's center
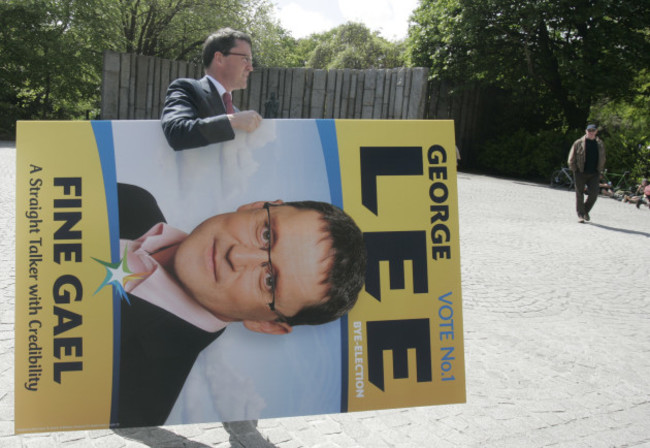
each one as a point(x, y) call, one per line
point(270, 274)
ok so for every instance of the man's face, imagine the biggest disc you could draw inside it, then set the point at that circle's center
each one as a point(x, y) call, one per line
point(232, 69)
point(591, 133)
point(223, 264)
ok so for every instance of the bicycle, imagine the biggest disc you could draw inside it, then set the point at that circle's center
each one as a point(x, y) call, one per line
point(562, 178)
point(622, 184)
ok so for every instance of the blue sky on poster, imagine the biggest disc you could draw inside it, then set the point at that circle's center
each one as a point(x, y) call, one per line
point(304, 17)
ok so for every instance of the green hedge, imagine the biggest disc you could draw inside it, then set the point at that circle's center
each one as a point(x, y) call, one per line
point(526, 155)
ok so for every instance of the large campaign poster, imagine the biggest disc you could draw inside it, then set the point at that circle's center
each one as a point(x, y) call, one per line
point(401, 345)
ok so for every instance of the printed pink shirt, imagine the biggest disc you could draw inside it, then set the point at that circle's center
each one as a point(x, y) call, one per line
point(157, 286)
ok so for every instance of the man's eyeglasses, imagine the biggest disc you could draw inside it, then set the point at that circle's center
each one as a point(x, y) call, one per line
point(270, 280)
point(247, 59)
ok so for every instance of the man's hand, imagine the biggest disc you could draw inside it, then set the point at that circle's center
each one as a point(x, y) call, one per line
point(247, 120)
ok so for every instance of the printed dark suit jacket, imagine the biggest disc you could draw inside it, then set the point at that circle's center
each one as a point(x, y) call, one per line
point(157, 349)
point(194, 115)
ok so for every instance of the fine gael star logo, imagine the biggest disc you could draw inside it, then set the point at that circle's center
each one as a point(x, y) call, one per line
point(118, 275)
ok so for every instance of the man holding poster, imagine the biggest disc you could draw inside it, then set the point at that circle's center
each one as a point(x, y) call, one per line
point(197, 113)
point(268, 265)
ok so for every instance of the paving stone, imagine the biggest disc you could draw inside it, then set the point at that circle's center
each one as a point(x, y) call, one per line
point(10, 443)
point(326, 426)
point(289, 444)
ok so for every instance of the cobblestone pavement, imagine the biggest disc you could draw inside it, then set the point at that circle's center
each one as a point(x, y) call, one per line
point(557, 337)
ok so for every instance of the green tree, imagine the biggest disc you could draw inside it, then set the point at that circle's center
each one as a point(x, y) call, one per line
point(560, 56)
point(273, 45)
point(626, 128)
point(176, 29)
point(351, 45)
point(306, 45)
point(48, 60)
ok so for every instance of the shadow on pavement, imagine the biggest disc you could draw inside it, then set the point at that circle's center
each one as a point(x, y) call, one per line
point(158, 437)
point(243, 434)
point(615, 229)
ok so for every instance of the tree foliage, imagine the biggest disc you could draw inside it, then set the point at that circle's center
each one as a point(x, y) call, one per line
point(49, 60)
point(561, 55)
point(626, 125)
point(546, 68)
point(176, 29)
point(273, 45)
point(351, 45)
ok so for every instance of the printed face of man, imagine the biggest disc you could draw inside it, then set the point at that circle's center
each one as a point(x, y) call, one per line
point(223, 264)
point(232, 69)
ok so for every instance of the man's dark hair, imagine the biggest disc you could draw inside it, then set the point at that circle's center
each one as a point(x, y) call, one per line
point(222, 40)
point(347, 273)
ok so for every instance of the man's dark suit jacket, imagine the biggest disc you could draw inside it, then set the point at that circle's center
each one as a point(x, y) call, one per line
point(157, 349)
point(194, 115)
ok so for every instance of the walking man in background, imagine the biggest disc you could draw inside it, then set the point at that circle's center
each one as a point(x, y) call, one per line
point(200, 112)
point(587, 161)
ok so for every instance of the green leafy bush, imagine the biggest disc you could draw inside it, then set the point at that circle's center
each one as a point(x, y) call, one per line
point(525, 155)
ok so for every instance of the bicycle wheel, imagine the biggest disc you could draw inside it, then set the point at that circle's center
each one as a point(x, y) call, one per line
point(557, 179)
point(569, 181)
point(625, 185)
